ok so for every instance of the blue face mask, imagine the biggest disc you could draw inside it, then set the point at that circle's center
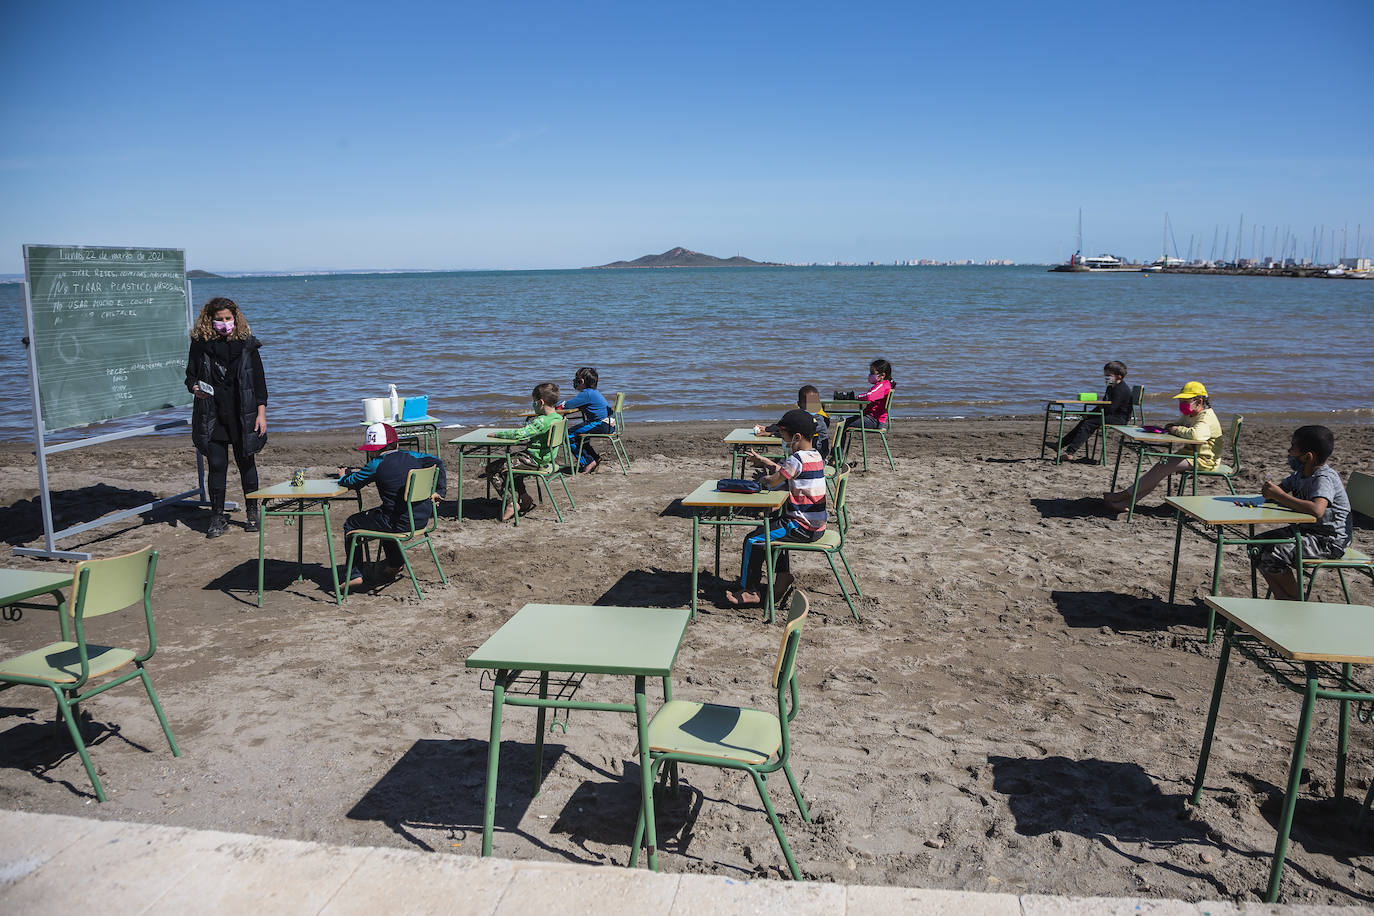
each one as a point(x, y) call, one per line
point(1295, 464)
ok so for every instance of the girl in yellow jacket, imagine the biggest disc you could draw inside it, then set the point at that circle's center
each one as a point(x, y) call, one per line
point(1199, 424)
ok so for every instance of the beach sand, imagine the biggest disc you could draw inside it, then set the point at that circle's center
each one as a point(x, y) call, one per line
point(1019, 710)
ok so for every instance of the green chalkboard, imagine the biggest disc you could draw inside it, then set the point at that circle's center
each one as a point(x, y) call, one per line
point(109, 330)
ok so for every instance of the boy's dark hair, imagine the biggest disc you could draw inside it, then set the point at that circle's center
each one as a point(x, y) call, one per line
point(587, 376)
point(1115, 367)
point(884, 369)
point(804, 390)
point(546, 394)
point(798, 422)
point(1318, 440)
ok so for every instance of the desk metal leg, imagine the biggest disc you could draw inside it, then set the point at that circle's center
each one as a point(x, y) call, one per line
point(646, 775)
point(1045, 432)
point(262, 549)
point(768, 564)
point(1290, 800)
point(718, 527)
point(498, 700)
point(541, 715)
point(1178, 538)
point(696, 533)
point(1343, 736)
point(1216, 585)
point(333, 564)
point(1211, 729)
point(1139, 459)
point(1059, 445)
point(461, 456)
point(1120, 444)
point(300, 541)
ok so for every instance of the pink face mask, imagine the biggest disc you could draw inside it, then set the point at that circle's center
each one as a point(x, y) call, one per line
point(873, 378)
point(225, 328)
point(1185, 408)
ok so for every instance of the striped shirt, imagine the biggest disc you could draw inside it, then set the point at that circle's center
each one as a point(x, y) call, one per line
point(804, 472)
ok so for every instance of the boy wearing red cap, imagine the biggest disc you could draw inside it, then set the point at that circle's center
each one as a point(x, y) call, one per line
point(390, 470)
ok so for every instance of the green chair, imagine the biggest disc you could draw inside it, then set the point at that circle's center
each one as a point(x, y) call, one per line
point(734, 737)
point(831, 543)
point(1138, 404)
point(557, 440)
point(66, 668)
point(420, 486)
point(1227, 472)
point(1360, 489)
point(617, 417)
point(880, 431)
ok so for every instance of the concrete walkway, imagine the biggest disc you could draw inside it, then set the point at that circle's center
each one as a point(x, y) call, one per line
point(56, 864)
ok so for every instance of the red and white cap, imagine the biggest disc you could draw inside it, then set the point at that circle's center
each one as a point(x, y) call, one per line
point(378, 437)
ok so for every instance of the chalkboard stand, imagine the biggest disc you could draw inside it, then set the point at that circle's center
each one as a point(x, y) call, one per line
point(42, 449)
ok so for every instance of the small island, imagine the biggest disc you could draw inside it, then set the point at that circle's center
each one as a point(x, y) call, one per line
point(682, 257)
point(202, 275)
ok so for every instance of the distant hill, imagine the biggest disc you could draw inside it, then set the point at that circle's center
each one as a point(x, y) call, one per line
point(682, 257)
point(202, 275)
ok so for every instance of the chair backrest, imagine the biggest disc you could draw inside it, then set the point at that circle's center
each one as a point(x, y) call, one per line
point(841, 499)
point(104, 586)
point(558, 438)
point(420, 486)
point(1235, 442)
point(1138, 404)
point(617, 408)
point(887, 407)
point(1360, 489)
point(786, 668)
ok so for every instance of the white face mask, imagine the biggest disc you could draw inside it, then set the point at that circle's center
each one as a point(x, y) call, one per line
point(1110, 381)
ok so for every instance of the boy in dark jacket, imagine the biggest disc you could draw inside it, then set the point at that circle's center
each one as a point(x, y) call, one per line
point(1118, 412)
point(390, 471)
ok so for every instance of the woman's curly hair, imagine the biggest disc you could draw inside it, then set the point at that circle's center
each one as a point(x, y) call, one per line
point(204, 328)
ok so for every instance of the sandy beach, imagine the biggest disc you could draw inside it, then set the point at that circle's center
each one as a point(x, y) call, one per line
point(1019, 710)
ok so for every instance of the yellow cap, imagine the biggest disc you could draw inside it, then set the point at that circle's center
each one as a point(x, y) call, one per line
point(1193, 390)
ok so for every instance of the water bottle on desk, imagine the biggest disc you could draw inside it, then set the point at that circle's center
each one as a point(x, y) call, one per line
point(395, 405)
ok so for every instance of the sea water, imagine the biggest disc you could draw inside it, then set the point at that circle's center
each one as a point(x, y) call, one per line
point(735, 343)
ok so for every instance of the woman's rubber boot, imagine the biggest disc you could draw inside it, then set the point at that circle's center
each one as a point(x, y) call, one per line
point(219, 525)
point(253, 507)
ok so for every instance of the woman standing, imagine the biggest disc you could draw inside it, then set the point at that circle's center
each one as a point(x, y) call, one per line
point(224, 372)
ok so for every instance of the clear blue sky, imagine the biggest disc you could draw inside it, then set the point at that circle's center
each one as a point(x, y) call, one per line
point(461, 135)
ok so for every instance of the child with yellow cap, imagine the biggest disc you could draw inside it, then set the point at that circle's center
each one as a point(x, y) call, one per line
point(1200, 424)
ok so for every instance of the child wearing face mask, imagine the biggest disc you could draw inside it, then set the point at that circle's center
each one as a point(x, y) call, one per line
point(1200, 424)
point(224, 373)
point(1316, 489)
point(803, 515)
point(538, 452)
point(1117, 413)
point(874, 415)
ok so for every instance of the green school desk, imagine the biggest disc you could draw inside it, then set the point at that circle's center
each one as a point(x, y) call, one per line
point(742, 440)
point(1211, 516)
point(296, 504)
point(632, 641)
point(1073, 409)
point(17, 586)
point(479, 443)
point(1142, 441)
point(711, 507)
point(1308, 647)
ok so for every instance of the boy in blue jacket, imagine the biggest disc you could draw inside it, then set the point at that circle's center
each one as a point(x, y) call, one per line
point(390, 470)
point(595, 411)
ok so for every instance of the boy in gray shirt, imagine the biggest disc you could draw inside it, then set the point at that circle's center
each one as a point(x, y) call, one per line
point(1316, 489)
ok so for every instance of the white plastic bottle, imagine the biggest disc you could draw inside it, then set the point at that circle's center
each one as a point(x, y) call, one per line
point(395, 405)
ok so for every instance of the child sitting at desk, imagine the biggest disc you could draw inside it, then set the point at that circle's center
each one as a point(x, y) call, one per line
point(594, 413)
point(809, 400)
point(538, 452)
point(1118, 412)
point(874, 415)
point(1316, 489)
point(1201, 425)
point(390, 470)
point(803, 515)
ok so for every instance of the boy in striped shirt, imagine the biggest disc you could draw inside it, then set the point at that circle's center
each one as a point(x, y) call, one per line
point(803, 515)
